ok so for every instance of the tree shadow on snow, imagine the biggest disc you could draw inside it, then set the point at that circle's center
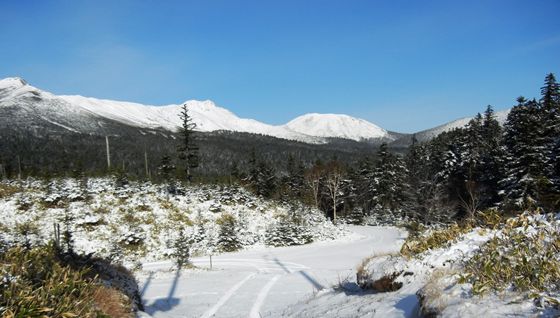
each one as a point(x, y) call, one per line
point(305, 275)
point(167, 303)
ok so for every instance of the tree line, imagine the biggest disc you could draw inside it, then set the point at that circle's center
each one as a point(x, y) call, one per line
point(454, 175)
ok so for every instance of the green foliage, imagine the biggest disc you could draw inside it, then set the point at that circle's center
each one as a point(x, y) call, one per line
point(287, 233)
point(181, 249)
point(35, 283)
point(228, 241)
point(519, 258)
point(416, 244)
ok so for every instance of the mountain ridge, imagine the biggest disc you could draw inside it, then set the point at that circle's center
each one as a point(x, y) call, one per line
point(34, 107)
point(206, 114)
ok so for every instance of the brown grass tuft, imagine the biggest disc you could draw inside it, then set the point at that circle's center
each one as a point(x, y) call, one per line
point(111, 302)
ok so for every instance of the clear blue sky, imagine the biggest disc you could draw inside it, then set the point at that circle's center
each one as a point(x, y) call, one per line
point(404, 65)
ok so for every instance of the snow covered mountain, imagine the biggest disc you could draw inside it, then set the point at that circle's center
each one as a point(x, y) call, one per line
point(425, 135)
point(91, 115)
point(501, 117)
point(337, 126)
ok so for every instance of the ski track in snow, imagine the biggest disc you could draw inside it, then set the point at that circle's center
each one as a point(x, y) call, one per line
point(259, 283)
point(261, 297)
point(226, 297)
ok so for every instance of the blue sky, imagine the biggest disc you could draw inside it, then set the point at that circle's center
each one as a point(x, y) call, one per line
point(404, 65)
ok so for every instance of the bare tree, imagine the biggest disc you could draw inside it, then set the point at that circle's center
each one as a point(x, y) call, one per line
point(471, 201)
point(333, 183)
point(313, 182)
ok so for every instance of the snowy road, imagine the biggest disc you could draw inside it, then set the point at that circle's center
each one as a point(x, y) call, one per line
point(257, 282)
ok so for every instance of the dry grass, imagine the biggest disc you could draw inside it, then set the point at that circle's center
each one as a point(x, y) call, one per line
point(111, 302)
point(415, 245)
point(431, 295)
point(361, 270)
point(180, 217)
point(37, 283)
point(527, 261)
point(385, 283)
point(7, 191)
point(420, 241)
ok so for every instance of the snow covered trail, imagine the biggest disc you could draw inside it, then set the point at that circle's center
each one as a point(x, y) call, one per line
point(256, 283)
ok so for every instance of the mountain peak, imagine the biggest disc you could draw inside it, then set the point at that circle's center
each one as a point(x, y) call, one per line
point(12, 82)
point(336, 126)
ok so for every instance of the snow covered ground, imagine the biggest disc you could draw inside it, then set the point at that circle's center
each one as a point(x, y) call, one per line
point(264, 282)
point(141, 222)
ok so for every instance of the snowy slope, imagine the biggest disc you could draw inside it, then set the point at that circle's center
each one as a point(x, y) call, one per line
point(85, 112)
point(206, 115)
point(501, 117)
point(425, 135)
point(27, 107)
point(336, 126)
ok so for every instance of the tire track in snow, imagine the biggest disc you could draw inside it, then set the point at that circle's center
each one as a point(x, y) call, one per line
point(212, 311)
point(261, 297)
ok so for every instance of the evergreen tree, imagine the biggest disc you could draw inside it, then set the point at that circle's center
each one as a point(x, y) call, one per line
point(235, 173)
point(188, 150)
point(365, 185)
point(491, 159)
point(389, 179)
point(266, 180)
point(261, 177)
point(294, 179)
point(165, 170)
point(228, 240)
point(550, 103)
point(525, 157)
point(181, 249)
point(466, 178)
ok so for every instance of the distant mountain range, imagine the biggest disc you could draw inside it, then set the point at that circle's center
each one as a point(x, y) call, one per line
point(25, 107)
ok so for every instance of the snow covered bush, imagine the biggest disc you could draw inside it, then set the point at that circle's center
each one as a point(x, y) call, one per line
point(515, 272)
point(286, 233)
point(524, 256)
point(141, 221)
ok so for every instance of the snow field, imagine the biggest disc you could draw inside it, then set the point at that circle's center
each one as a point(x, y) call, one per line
point(260, 282)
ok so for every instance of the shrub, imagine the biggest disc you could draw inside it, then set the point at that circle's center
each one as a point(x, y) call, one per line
point(286, 233)
point(519, 258)
point(416, 244)
point(36, 283)
point(7, 191)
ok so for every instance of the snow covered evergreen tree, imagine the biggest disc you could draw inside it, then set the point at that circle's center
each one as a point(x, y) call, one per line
point(389, 178)
point(188, 150)
point(181, 249)
point(550, 103)
point(525, 156)
point(228, 240)
point(294, 180)
point(491, 159)
point(287, 233)
point(261, 177)
point(165, 171)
